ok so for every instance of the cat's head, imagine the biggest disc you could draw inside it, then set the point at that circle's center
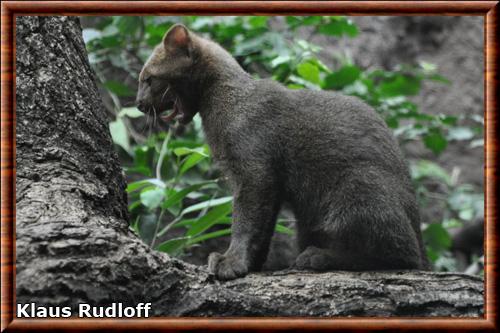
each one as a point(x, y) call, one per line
point(170, 61)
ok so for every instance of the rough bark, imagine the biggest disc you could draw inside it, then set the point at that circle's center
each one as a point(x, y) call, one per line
point(73, 240)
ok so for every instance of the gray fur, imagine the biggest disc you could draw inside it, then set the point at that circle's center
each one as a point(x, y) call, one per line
point(331, 157)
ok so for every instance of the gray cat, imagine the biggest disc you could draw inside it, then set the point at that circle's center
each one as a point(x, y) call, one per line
point(331, 157)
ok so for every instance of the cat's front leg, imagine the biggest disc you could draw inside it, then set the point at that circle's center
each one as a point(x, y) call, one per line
point(256, 205)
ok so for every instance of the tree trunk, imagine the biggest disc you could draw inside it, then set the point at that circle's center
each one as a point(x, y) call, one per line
point(74, 244)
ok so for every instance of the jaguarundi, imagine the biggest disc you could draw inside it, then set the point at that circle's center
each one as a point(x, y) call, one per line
point(331, 157)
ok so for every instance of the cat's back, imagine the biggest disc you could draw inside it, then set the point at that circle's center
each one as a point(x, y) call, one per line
point(325, 127)
point(275, 100)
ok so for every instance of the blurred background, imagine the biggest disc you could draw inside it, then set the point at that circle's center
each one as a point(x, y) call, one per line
point(424, 75)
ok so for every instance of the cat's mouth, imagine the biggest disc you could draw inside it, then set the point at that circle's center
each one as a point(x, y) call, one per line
point(177, 111)
point(173, 113)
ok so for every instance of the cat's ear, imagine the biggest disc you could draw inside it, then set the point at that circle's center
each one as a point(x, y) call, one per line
point(177, 38)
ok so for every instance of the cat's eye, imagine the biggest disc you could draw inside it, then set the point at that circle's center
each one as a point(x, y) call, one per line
point(147, 80)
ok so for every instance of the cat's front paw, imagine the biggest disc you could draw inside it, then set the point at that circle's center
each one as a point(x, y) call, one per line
point(226, 267)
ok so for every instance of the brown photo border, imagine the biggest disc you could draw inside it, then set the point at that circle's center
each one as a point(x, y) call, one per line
point(9, 10)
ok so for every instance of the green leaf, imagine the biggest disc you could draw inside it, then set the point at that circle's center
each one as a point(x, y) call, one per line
point(452, 223)
point(109, 42)
point(437, 237)
point(428, 67)
point(118, 88)
point(190, 162)
point(185, 223)
point(293, 21)
point(466, 214)
point(351, 30)
point(432, 255)
point(309, 72)
point(281, 59)
point(309, 47)
point(250, 45)
point(131, 112)
point(321, 66)
point(339, 27)
point(183, 143)
point(135, 186)
point(295, 86)
point(392, 122)
point(284, 230)
point(427, 169)
point(258, 21)
point(135, 225)
point(178, 196)
point(400, 85)
point(448, 120)
point(207, 204)
point(460, 133)
point(152, 198)
point(142, 156)
point(133, 206)
point(209, 219)
point(300, 81)
point(298, 21)
point(128, 24)
point(173, 246)
point(310, 20)
point(145, 171)
point(90, 34)
point(477, 118)
point(439, 78)
point(343, 77)
point(186, 151)
point(361, 89)
point(332, 29)
point(190, 222)
point(210, 235)
point(435, 141)
point(119, 134)
point(106, 21)
point(155, 181)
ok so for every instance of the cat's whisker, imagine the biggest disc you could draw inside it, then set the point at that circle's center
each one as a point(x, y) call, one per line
point(153, 123)
point(164, 93)
point(145, 125)
point(154, 119)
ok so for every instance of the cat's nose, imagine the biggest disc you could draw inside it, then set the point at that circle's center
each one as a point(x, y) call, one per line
point(140, 105)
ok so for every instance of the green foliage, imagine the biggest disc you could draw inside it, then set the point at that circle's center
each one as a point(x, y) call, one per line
point(176, 199)
point(179, 167)
point(460, 204)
